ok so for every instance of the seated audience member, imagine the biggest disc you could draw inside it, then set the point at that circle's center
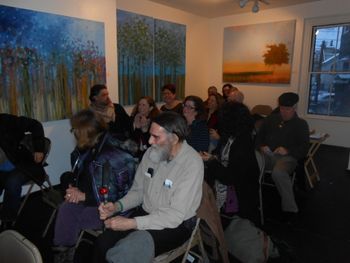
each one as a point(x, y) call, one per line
point(236, 95)
point(215, 102)
point(18, 164)
point(169, 97)
point(167, 191)
point(194, 113)
point(143, 113)
point(235, 169)
point(227, 89)
point(119, 123)
point(212, 90)
point(283, 138)
point(99, 162)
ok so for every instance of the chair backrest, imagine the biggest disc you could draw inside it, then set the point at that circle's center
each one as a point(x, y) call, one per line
point(15, 248)
point(263, 110)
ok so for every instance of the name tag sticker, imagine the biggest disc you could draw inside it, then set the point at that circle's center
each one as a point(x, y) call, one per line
point(168, 183)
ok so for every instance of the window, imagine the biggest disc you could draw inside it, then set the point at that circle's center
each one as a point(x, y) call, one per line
point(329, 72)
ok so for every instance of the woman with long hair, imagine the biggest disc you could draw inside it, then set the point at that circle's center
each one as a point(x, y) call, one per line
point(234, 170)
point(144, 111)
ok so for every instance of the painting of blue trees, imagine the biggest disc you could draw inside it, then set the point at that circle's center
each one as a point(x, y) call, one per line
point(169, 56)
point(48, 63)
point(151, 53)
point(135, 56)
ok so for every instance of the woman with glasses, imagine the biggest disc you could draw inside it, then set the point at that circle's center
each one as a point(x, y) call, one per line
point(195, 115)
point(169, 97)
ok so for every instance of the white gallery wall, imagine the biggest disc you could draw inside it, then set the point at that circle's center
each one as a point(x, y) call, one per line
point(267, 93)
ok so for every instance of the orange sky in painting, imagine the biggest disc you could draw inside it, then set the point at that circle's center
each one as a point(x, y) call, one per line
point(235, 67)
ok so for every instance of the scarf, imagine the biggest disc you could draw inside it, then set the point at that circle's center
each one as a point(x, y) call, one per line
point(107, 113)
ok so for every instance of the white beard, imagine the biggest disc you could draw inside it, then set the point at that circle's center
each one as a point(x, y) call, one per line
point(159, 153)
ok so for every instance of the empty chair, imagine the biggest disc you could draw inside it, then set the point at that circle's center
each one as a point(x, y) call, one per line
point(262, 110)
point(15, 248)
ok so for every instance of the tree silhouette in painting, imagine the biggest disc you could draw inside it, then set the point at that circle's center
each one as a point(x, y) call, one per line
point(276, 55)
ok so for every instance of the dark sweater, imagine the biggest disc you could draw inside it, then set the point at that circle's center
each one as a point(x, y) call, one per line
point(198, 137)
point(242, 172)
point(292, 135)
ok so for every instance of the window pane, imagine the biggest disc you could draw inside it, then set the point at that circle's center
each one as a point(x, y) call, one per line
point(326, 48)
point(330, 94)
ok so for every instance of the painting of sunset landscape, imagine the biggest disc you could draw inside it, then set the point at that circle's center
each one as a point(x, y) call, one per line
point(259, 53)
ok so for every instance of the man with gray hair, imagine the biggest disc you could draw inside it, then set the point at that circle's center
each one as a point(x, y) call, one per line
point(284, 139)
point(166, 192)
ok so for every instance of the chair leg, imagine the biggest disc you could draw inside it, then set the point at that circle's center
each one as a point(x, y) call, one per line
point(261, 208)
point(50, 222)
point(24, 201)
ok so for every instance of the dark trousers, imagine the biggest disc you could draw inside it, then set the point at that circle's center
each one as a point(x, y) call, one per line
point(164, 240)
point(12, 183)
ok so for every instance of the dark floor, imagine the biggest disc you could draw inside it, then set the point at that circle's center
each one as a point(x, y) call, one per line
point(321, 234)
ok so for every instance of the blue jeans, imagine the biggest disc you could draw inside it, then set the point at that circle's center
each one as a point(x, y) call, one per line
point(12, 183)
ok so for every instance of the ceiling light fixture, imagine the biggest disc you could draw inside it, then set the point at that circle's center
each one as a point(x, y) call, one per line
point(256, 7)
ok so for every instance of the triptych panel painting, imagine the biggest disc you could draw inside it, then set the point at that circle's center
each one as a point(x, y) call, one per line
point(48, 63)
point(151, 53)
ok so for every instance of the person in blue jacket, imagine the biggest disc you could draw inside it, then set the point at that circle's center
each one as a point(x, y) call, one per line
point(103, 171)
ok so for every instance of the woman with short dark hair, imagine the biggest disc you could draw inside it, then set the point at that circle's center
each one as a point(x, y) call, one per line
point(169, 97)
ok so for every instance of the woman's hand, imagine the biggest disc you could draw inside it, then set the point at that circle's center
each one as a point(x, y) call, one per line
point(205, 156)
point(108, 209)
point(213, 134)
point(74, 195)
point(120, 223)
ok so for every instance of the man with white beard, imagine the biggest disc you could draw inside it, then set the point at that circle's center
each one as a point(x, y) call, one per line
point(166, 192)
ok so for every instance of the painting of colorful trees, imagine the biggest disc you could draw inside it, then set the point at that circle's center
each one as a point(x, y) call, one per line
point(48, 63)
point(151, 53)
point(259, 53)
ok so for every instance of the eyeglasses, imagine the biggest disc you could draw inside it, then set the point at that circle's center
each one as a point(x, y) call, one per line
point(188, 107)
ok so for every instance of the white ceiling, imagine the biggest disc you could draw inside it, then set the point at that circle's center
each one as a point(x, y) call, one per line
point(217, 8)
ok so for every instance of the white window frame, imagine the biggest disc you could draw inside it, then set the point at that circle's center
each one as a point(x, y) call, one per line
point(306, 61)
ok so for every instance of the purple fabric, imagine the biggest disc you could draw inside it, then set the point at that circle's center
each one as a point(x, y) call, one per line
point(71, 219)
point(231, 205)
